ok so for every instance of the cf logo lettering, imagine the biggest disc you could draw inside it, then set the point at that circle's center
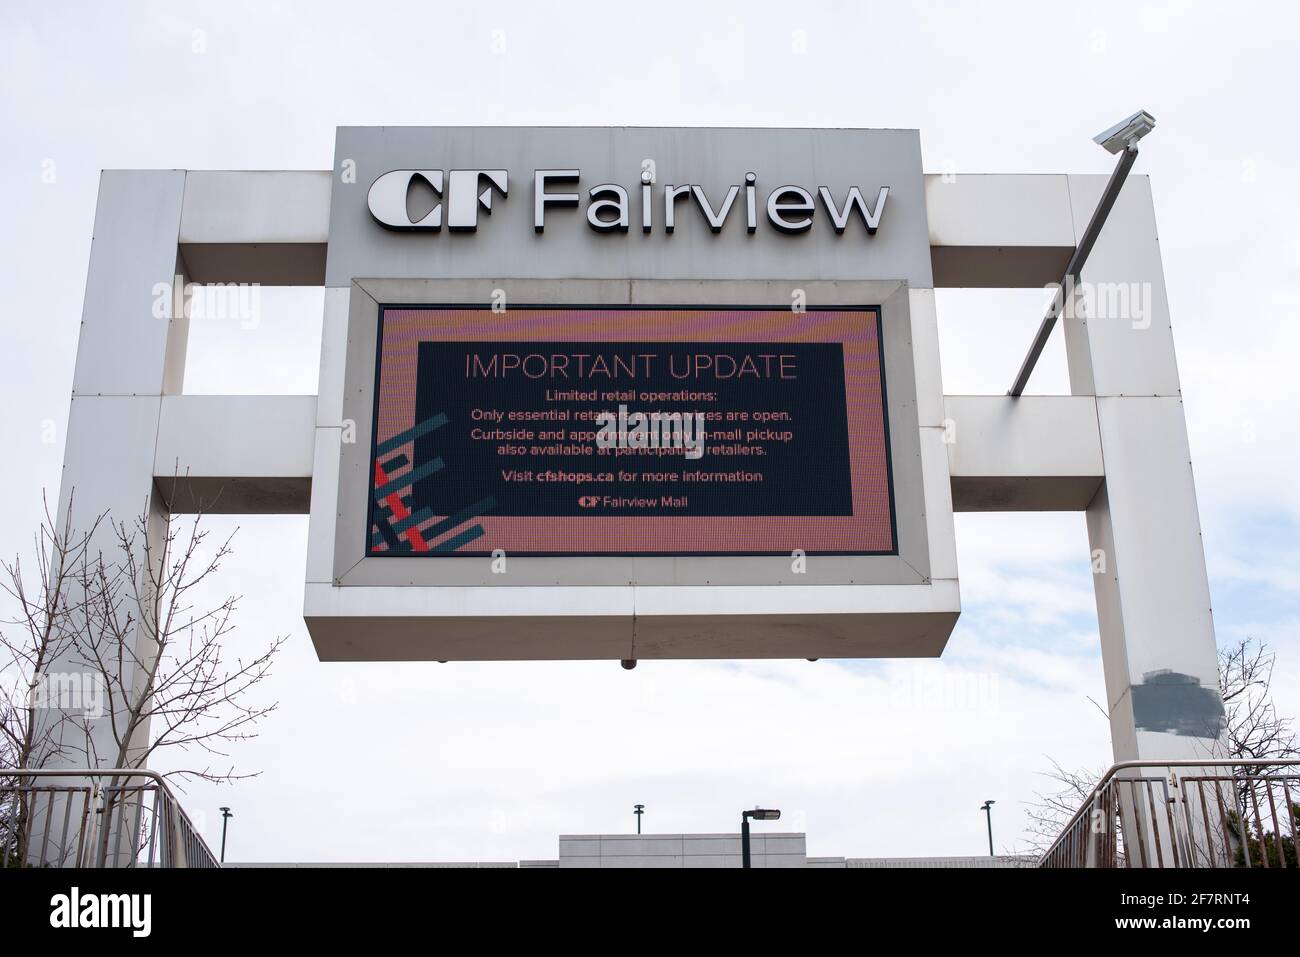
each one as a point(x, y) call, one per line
point(466, 191)
point(589, 501)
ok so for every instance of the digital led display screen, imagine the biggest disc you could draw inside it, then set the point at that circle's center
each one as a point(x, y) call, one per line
point(639, 431)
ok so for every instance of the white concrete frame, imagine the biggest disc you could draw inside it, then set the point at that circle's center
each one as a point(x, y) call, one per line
point(1117, 448)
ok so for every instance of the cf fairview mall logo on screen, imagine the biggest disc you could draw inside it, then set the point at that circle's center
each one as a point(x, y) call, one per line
point(462, 193)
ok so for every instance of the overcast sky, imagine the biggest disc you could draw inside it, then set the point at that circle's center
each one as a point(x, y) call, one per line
point(493, 761)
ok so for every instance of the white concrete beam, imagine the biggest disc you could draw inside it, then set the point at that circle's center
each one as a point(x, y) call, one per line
point(281, 206)
point(1035, 453)
point(999, 231)
point(256, 227)
point(236, 454)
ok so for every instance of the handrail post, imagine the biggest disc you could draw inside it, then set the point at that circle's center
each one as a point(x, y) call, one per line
point(1091, 837)
point(179, 843)
point(1098, 829)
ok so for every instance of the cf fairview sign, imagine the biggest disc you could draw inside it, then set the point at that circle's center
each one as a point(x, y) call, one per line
point(413, 200)
point(627, 203)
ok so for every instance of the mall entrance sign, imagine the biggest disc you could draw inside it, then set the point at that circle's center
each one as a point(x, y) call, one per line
point(653, 393)
point(630, 393)
point(787, 208)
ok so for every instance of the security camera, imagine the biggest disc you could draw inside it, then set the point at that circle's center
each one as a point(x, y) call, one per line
point(1126, 133)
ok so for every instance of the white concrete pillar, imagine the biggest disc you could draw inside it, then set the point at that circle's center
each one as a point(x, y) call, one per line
point(1153, 596)
point(128, 357)
point(130, 352)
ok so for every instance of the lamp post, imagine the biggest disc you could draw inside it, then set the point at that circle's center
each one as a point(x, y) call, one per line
point(638, 810)
point(758, 814)
point(987, 808)
point(225, 818)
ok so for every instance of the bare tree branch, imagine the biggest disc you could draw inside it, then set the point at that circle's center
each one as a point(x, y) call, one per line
point(116, 602)
point(36, 638)
point(1254, 729)
point(164, 661)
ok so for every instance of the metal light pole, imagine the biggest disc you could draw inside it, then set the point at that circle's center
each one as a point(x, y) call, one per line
point(225, 818)
point(987, 808)
point(1121, 138)
point(638, 810)
point(758, 814)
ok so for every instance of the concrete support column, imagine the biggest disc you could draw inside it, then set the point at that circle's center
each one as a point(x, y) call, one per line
point(130, 353)
point(1153, 596)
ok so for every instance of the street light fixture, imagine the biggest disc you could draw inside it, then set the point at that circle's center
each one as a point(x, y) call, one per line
point(987, 808)
point(225, 817)
point(758, 814)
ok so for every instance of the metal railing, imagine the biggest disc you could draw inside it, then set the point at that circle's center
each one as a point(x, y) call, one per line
point(1198, 813)
point(100, 818)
